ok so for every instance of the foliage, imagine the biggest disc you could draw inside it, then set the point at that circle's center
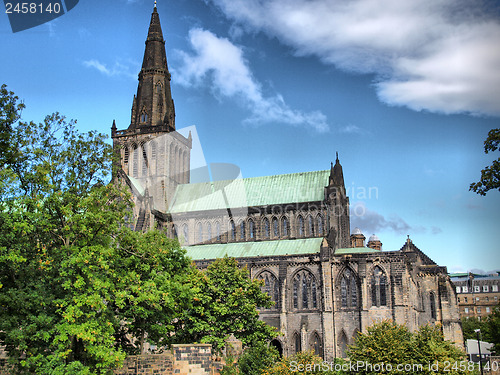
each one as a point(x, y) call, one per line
point(490, 175)
point(225, 302)
point(257, 358)
point(470, 324)
point(305, 363)
point(10, 112)
point(390, 344)
point(78, 290)
point(493, 322)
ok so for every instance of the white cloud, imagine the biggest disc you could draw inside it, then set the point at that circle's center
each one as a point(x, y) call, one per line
point(118, 68)
point(435, 55)
point(222, 64)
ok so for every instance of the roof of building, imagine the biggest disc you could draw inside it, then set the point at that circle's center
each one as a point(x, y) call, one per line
point(248, 192)
point(356, 250)
point(255, 249)
point(373, 237)
point(357, 231)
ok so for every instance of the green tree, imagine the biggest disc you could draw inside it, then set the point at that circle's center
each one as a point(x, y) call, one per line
point(78, 289)
point(10, 112)
point(493, 328)
point(225, 302)
point(490, 175)
point(391, 345)
point(470, 324)
point(306, 363)
point(257, 358)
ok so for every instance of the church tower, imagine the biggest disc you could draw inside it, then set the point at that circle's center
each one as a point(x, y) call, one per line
point(338, 208)
point(154, 157)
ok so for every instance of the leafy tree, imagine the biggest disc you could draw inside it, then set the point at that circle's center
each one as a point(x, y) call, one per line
point(306, 363)
point(225, 302)
point(78, 289)
point(10, 112)
point(470, 324)
point(490, 176)
point(493, 325)
point(257, 358)
point(392, 345)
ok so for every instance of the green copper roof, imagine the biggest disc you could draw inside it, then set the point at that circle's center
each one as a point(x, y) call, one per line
point(137, 185)
point(255, 249)
point(356, 250)
point(247, 192)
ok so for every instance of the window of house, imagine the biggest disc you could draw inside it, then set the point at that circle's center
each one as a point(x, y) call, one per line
point(251, 228)
point(478, 309)
point(485, 288)
point(311, 225)
point(477, 299)
point(458, 289)
point(348, 289)
point(465, 299)
point(320, 225)
point(379, 287)
point(144, 161)
point(271, 287)
point(199, 230)
point(487, 299)
point(487, 309)
point(209, 231)
point(304, 290)
point(276, 228)
point(301, 226)
point(465, 289)
point(466, 310)
point(233, 230)
point(284, 227)
point(266, 228)
point(477, 288)
point(242, 231)
point(125, 159)
point(217, 231)
point(433, 306)
point(494, 288)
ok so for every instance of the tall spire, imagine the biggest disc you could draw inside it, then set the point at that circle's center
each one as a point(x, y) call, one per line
point(153, 108)
point(336, 174)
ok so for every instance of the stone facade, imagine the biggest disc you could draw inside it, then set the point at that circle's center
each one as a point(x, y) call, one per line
point(292, 231)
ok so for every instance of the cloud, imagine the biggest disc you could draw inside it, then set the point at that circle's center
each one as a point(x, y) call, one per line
point(118, 68)
point(351, 129)
point(220, 63)
point(435, 55)
point(370, 221)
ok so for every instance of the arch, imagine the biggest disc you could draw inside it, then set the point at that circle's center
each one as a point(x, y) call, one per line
point(126, 155)
point(342, 344)
point(135, 165)
point(297, 345)
point(199, 233)
point(277, 344)
point(271, 287)
point(144, 171)
point(276, 227)
point(232, 229)
point(310, 225)
point(284, 226)
point(433, 305)
point(304, 290)
point(209, 231)
point(153, 149)
point(378, 287)
point(251, 229)
point(185, 233)
point(319, 224)
point(242, 230)
point(315, 344)
point(348, 289)
point(300, 229)
point(171, 172)
point(266, 228)
point(217, 231)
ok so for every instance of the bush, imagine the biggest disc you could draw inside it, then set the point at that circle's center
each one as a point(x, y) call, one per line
point(302, 363)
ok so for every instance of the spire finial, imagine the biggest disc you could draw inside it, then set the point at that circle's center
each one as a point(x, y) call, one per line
point(155, 3)
point(337, 160)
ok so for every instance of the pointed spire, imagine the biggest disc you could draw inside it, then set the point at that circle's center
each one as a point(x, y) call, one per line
point(336, 174)
point(153, 105)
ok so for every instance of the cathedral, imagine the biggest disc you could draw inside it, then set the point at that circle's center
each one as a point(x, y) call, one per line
point(292, 231)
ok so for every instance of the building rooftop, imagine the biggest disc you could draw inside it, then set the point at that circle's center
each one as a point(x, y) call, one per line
point(250, 192)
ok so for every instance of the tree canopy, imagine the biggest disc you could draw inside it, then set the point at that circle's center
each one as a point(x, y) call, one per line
point(78, 289)
point(225, 302)
point(490, 175)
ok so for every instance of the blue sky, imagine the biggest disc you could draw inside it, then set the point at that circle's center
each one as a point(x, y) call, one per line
point(405, 92)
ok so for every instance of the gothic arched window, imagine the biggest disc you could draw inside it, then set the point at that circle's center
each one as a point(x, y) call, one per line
point(311, 225)
point(135, 171)
point(304, 290)
point(233, 230)
point(348, 289)
point(217, 231)
point(199, 231)
point(379, 287)
point(153, 150)
point(296, 341)
point(433, 306)
point(185, 233)
point(209, 231)
point(266, 228)
point(126, 155)
point(251, 228)
point(316, 344)
point(284, 227)
point(276, 228)
point(271, 287)
point(301, 226)
point(144, 161)
point(320, 224)
point(242, 231)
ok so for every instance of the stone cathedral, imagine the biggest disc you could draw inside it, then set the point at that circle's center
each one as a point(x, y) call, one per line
point(292, 231)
